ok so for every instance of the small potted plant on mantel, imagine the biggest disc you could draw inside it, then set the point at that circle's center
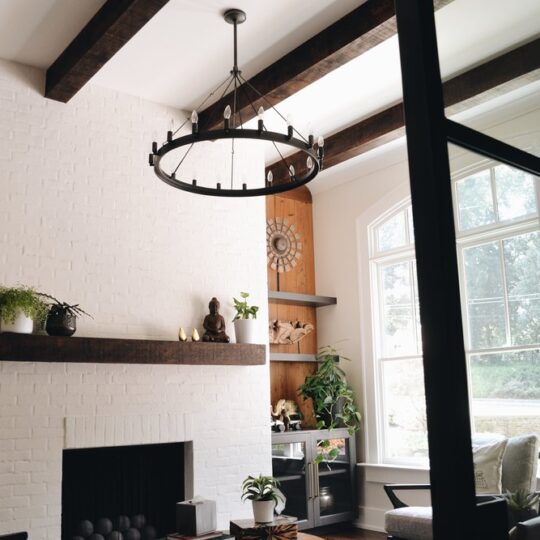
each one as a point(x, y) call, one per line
point(245, 325)
point(264, 494)
point(21, 308)
point(62, 317)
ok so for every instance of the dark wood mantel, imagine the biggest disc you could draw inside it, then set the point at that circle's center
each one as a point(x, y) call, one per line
point(38, 348)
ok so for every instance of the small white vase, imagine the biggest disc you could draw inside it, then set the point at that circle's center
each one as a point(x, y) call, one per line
point(21, 325)
point(245, 330)
point(263, 511)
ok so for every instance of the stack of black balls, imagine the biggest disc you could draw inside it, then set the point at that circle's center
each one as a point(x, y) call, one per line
point(120, 528)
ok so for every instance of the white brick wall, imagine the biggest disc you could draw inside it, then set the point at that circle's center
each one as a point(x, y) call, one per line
point(83, 217)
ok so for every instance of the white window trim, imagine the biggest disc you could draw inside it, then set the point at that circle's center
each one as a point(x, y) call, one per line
point(367, 244)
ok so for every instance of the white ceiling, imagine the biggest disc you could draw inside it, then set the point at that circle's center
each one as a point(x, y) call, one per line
point(186, 50)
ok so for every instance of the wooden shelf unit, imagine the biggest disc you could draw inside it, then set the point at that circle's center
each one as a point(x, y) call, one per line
point(41, 348)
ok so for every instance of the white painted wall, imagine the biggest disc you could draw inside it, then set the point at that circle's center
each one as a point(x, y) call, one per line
point(341, 216)
point(83, 217)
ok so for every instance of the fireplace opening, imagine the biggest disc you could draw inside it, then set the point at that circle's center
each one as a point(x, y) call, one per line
point(126, 488)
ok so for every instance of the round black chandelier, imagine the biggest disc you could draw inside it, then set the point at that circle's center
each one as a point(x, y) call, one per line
point(232, 130)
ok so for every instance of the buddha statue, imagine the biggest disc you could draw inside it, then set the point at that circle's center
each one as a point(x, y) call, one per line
point(214, 324)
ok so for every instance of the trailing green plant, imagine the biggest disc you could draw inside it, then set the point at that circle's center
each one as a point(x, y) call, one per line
point(522, 500)
point(243, 310)
point(333, 398)
point(261, 488)
point(14, 300)
point(60, 308)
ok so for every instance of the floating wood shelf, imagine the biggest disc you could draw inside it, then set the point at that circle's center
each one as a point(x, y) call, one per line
point(300, 299)
point(292, 357)
point(38, 348)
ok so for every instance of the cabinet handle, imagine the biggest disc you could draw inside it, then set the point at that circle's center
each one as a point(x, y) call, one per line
point(316, 476)
point(311, 480)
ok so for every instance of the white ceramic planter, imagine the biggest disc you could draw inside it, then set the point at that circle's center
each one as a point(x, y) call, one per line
point(21, 325)
point(246, 330)
point(263, 511)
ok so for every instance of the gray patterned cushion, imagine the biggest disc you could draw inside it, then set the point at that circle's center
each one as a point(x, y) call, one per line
point(520, 460)
point(411, 522)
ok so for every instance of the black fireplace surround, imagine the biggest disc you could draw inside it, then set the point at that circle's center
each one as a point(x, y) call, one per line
point(118, 481)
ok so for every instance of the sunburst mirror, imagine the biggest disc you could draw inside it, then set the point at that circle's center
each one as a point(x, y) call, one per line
point(283, 244)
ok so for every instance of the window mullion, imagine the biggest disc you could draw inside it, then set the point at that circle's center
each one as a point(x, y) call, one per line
point(505, 294)
point(494, 196)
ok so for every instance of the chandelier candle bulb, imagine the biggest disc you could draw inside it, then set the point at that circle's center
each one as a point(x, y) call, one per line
point(292, 172)
point(194, 122)
point(309, 162)
point(227, 116)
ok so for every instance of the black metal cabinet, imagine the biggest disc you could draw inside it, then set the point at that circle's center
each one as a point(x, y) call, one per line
point(319, 490)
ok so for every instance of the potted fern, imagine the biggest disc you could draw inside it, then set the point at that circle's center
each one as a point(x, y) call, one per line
point(264, 495)
point(20, 308)
point(245, 325)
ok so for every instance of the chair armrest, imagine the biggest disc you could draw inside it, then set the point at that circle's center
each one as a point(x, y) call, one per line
point(396, 501)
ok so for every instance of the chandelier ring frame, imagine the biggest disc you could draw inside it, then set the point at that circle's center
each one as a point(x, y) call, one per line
point(236, 133)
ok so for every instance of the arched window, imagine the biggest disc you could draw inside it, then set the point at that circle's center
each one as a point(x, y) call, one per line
point(498, 246)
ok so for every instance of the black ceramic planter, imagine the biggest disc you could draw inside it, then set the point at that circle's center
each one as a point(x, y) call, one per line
point(60, 323)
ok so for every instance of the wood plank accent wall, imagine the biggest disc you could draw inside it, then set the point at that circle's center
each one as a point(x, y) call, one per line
point(286, 377)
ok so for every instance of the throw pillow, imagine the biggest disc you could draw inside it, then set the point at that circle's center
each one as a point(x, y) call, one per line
point(488, 467)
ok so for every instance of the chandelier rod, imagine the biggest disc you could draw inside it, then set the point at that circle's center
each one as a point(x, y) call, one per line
point(265, 128)
point(269, 104)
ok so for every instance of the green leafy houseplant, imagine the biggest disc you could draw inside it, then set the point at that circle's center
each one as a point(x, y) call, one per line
point(264, 494)
point(261, 488)
point(16, 300)
point(243, 310)
point(333, 398)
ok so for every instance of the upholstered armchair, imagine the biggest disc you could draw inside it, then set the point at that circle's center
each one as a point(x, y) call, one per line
point(518, 471)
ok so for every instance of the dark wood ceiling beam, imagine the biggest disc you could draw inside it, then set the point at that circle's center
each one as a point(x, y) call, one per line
point(357, 32)
point(473, 87)
point(107, 32)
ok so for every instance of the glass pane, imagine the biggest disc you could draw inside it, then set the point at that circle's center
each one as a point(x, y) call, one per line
point(392, 234)
point(335, 489)
point(522, 265)
point(516, 195)
point(405, 427)
point(485, 299)
point(506, 392)
point(398, 323)
point(289, 467)
point(475, 201)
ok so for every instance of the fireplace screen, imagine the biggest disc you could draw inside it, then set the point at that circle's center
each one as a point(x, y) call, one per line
point(122, 492)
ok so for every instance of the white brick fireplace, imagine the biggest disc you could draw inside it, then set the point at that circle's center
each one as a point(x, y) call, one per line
point(84, 218)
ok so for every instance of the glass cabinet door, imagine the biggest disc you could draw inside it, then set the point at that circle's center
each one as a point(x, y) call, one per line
point(289, 465)
point(333, 477)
